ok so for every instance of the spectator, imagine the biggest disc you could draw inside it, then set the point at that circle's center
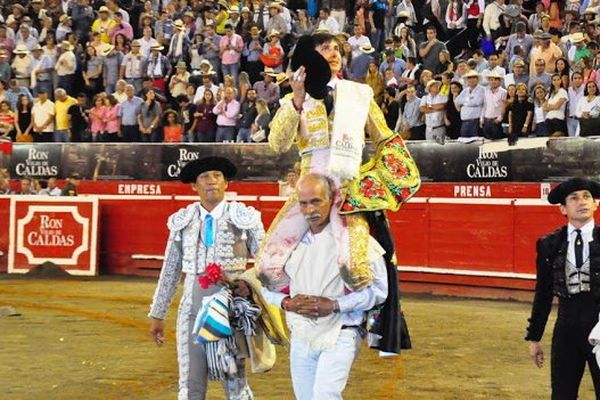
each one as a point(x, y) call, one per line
point(128, 113)
point(120, 27)
point(253, 48)
point(433, 106)
point(172, 129)
point(470, 104)
point(25, 187)
point(273, 54)
point(205, 121)
point(377, 12)
point(539, 115)
point(119, 92)
point(22, 65)
point(92, 72)
point(546, 51)
point(327, 22)
point(357, 41)
point(429, 50)
point(230, 50)
point(248, 114)
point(43, 118)
point(210, 49)
point(63, 102)
point(520, 115)
point(456, 17)
point(179, 44)
point(42, 67)
point(7, 121)
point(492, 68)
point(179, 81)
point(540, 77)
point(111, 65)
point(186, 112)
point(148, 118)
point(375, 81)
point(14, 92)
point(493, 107)
point(132, 66)
point(97, 119)
point(103, 24)
point(157, 68)
point(66, 67)
point(588, 111)
point(519, 38)
point(519, 74)
point(411, 121)
point(491, 19)
point(83, 18)
point(70, 188)
point(276, 22)
point(80, 131)
point(51, 189)
point(390, 107)
point(576, 93)
point(23, 120)
point(227, 111)
point(146, 41)
point(111, 119)
point(207, 84)
point(561, 67)
point(64, 27)
point(452, 118)
point(555, 108)
point(261, 123)
point(25, 38)
point(396, 64)
point(360, 65)
point(267, 89)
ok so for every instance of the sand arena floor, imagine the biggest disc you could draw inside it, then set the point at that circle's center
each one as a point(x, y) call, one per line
point(87, 339)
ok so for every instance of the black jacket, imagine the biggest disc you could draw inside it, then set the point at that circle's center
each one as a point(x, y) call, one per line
point(551, 278)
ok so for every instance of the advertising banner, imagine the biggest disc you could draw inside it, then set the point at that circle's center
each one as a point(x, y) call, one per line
point(58, 230)
point(532, 160)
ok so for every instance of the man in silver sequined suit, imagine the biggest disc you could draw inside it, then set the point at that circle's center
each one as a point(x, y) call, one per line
point(209, 231)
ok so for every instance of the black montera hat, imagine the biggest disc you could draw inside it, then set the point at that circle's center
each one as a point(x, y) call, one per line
point(191, 170)
point(560, 192)
point(318, 73)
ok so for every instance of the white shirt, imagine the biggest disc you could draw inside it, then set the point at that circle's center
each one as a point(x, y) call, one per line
point(354, 304)
point(199, 95)
point(539, 114)
point(216, 213)
point(40, 113)
point(145, 45)
point(592, 107)
point(330, 24)
point(560, 113)
point(491, 17)
point(434, 119)
point(586, 234)
point(356, 43)
point(574, 97)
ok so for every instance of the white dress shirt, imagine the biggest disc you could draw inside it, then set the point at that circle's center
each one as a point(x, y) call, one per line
point(586, 234)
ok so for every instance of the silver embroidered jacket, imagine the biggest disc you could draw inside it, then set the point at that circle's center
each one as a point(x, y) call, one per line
point(239, 233)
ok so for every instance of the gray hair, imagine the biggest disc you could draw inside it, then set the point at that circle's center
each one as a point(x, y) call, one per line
point(317, 178)
point(60, 92)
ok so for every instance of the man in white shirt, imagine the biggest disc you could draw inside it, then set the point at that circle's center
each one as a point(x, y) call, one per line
point(327, 22)
point(357, 41)
point(42, 114)
point(323, 314)
point(470, 103)
point(493, 107)
point(576, 93)
point(146, 41)
point(66, 66)
point(52, 188)
point(433, 106)
point(491, 18)
point(493, 67)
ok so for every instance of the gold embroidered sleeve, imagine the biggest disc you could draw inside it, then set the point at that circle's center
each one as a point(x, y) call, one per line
point(376, 126)
point(284, 127)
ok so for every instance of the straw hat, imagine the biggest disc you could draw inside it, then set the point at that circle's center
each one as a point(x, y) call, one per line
point(178, 24)
point(107, 50)
point(21, 49)
point(590, 11)
point(577, 37)
point(269, 72)
point(494, 75)
point(431, 83)
point(367, 48)
point(156, 46)
point(245, 9)
point(66, 46)
point(471, 74)
point(104, 9)
point(274, 32)
point(63, 18)
point(37, 48)
point(280, 78)
point(276, 5)
point(234, 10)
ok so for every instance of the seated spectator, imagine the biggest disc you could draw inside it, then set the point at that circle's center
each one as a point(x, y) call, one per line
point(25, 187)
point(51, 188)
point(288, 186)
point(205, 121)
point(70, 188)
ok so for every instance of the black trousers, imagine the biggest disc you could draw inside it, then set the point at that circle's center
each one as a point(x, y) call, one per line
point(131, 133)
point(570, 347)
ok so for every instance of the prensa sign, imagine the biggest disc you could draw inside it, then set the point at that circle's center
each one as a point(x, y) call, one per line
point(63, 231)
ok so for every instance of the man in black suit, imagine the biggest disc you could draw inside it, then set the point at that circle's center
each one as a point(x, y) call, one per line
point(568, 266)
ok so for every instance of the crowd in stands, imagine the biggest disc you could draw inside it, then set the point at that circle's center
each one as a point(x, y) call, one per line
point(214, 71)
point(43, 187)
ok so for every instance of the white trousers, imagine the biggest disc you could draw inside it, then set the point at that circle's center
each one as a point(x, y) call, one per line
point(322, 375)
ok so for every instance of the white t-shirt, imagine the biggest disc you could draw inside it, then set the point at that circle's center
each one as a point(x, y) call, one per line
point(560, 113)
point(41, 112)
point(592, 107)
point(539, 114)
point(434, 119)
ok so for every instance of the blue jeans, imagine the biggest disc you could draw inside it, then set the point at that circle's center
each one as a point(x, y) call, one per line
point(322, 375)
point(377, 39)
point(61, 136)
point(540, 130)
point(243, 135)
point(231, 69)
point(225, 133)
point(469, 128)
point(572, 126)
